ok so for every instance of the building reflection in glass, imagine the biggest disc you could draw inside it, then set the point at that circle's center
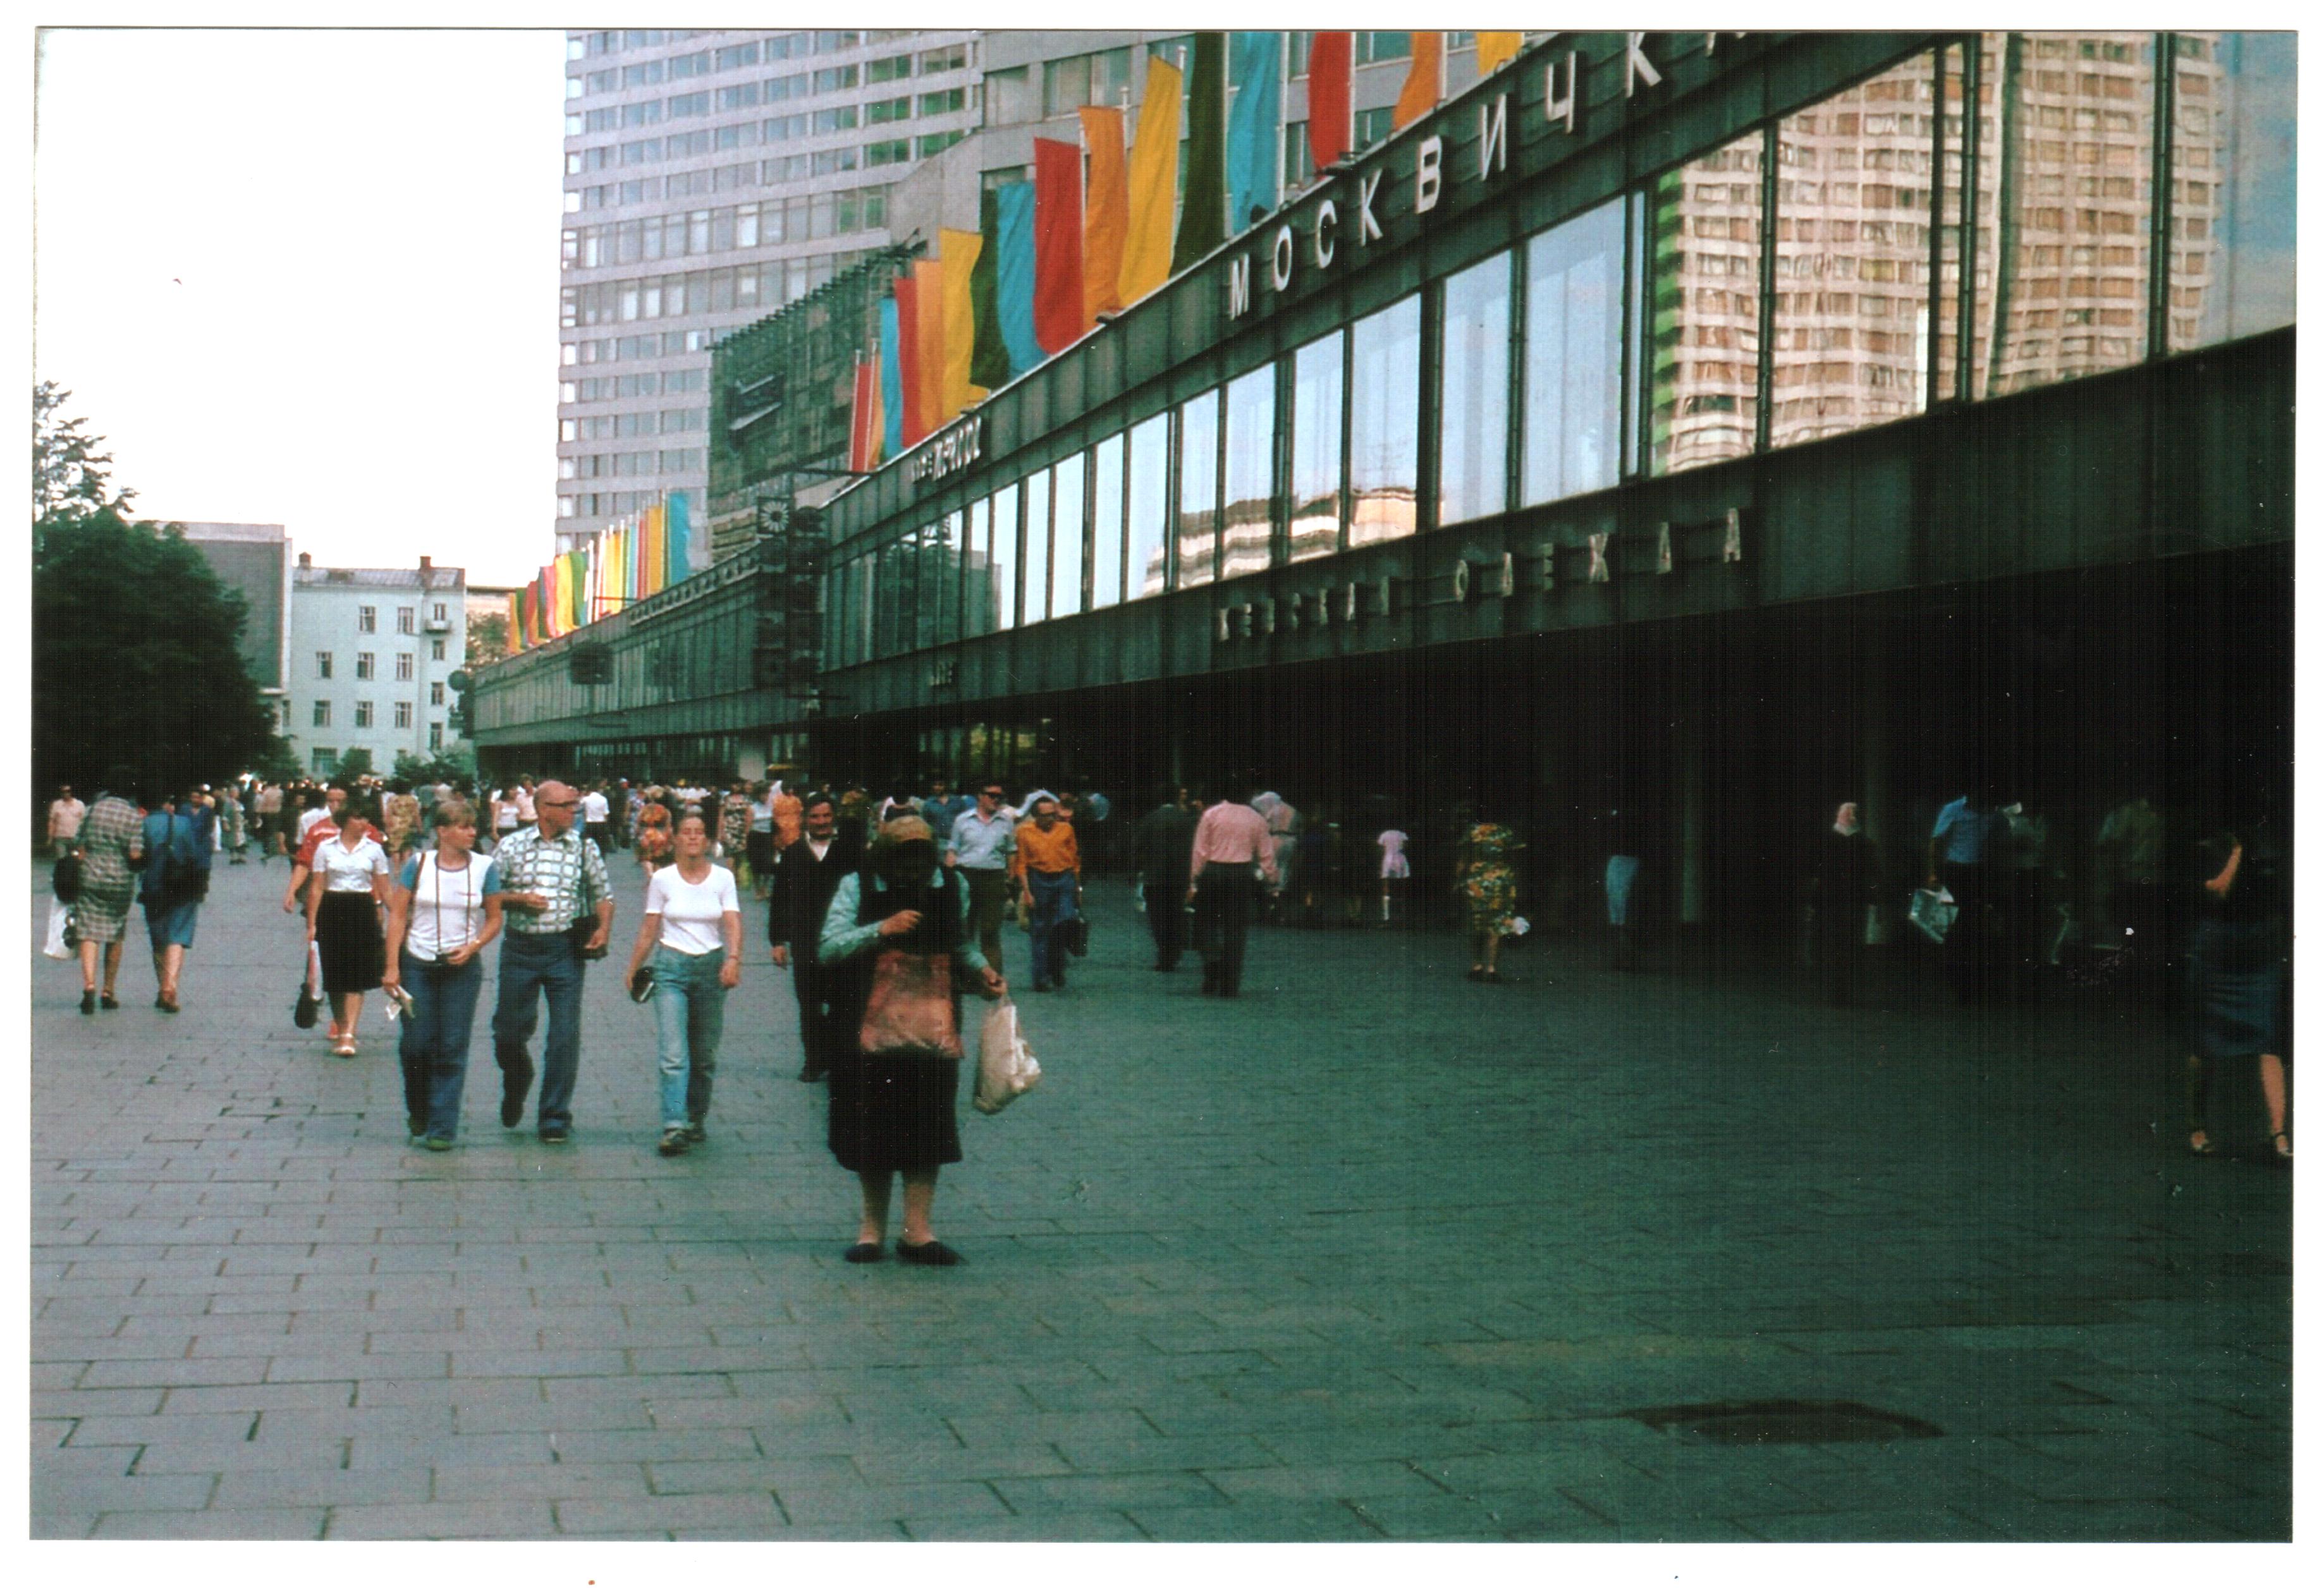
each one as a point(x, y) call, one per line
point(1384, 424)
point(1318, 390)
point(1149, 505)
point(1249, 525)
point(1198, 489)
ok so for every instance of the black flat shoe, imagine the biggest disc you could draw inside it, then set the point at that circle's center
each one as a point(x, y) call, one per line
point(935, 1254)
point(862, 1251)
point(109, 1002)
point(514, 1083)
point(89, 1002)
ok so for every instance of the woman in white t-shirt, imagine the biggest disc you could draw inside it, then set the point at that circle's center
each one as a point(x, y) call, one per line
point(443, 910)
point(692, 934)
point(347, 893)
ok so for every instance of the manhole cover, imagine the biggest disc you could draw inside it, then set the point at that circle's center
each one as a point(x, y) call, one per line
point(1784, 1422)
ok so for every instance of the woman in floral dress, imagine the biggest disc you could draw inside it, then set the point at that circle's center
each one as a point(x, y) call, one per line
point(1489, 883)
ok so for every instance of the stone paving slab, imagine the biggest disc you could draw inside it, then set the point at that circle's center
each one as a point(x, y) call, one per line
point(1367, 1255)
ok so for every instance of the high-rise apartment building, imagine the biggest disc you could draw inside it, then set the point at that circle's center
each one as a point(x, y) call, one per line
point(711, 178)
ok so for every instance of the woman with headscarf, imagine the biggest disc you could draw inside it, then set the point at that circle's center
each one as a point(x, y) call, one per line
point(111, 843)
point(1841, 889)
point(896, 1114)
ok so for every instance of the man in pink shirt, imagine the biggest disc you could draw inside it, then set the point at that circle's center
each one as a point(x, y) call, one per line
point(1232, 849)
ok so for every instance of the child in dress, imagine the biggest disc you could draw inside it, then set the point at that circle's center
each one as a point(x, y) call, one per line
point(1395, 869)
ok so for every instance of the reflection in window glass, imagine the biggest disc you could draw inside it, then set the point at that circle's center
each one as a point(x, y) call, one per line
point(1384, 424)
point(1198, 489)
point(887, 586)
point(940, 583)
point(976, 572)
point(1035, 602)
point(2068, 154)
point(1004, 558)
point(1149, 505)
point(1572, 355)
point(865, 570)
point(1706, 308)
point(1065, 583)
point(910, 555)
point(1105, 525)
point(1474, 430)
point(1318, 388)
point(2233, 188)
point(1249, 473)
point(1852, 257)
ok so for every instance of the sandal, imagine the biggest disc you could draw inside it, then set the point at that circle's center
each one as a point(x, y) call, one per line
point(2200, 1144)
point(345, 1048)
point(2283, 1144)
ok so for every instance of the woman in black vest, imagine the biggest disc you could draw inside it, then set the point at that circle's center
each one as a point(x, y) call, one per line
point(892, 1114)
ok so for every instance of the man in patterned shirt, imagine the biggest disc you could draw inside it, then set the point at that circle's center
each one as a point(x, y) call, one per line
point(556, 883)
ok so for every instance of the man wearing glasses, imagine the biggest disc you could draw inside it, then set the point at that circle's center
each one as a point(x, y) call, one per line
point(981, 846)
point(560, 910)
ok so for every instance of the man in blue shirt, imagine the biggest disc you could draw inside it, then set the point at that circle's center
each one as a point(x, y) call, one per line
point(1957, 854)
point(980, 845)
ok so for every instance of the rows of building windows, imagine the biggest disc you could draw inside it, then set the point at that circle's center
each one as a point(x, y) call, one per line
point(589, 466)
point(778, 47)
point(366, 711)
point(766, 282)
point(367, 664)
point(769, 173)
point(611, 505)
point(1627, 341)
point(647, 345)
point(633, 384)
point(633, 423)
point(715, 231)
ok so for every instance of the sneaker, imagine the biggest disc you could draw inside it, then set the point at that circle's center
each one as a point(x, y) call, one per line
point(674, 1143)
point(438, 1142)
point(695, 1132)
point(555, 1136)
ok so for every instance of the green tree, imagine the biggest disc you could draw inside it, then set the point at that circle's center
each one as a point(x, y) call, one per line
point(488, 640)
point(134, 656)
point(456, 764)
point(69, 480)
point(354, 765)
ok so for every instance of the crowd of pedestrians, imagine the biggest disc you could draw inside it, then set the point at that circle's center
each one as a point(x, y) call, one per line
point(401, 890)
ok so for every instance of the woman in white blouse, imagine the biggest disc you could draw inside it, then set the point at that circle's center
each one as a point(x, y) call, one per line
point(443, 910)
point(693, 932)
point(347, 895)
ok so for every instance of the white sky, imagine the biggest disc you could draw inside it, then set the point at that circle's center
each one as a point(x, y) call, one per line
point(310, 276)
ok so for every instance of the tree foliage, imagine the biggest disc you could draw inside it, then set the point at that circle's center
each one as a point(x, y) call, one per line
point(134, 654)
point(488, 640)
point(354, 765)
point(456, 765)
point(69, 480)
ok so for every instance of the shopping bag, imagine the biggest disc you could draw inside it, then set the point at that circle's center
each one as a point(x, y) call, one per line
point(1076, 931)
point(309, 1002)
point(1932, 913)
point(1005, 1067)
point(59, 943)
point(910, 1013)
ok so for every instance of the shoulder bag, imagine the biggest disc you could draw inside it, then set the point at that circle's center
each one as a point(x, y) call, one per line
point(911, 1012)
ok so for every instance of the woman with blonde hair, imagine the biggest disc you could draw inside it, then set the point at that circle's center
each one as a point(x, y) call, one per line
point(443, 909)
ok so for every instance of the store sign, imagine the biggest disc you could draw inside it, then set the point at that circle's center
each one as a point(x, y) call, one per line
point(951, 452)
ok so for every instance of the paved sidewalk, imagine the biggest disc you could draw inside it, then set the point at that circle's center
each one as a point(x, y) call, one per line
point(1368, 1254)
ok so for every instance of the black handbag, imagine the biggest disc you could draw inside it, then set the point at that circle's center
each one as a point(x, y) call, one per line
point(1076, 934)
point(64, 879)
point(303, 1011)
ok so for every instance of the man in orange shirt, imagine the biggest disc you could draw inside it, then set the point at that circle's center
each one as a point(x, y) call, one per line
point(1047, 865)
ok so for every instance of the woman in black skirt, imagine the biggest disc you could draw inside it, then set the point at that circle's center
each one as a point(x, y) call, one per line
point(892, 1115)
point(346, 902)
point(2236, 965)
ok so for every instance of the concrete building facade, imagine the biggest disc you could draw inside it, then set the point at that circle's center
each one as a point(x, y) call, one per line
point(255, 561)
point(371, 654)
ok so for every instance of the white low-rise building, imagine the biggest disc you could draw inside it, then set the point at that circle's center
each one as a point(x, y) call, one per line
point(372, 655)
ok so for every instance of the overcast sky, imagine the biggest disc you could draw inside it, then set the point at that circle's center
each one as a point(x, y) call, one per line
point(310, 278)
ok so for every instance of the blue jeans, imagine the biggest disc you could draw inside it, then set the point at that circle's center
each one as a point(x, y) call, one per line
point(689, 1016)
point(434, 1044)
point(1053, 905)
point(532, 966)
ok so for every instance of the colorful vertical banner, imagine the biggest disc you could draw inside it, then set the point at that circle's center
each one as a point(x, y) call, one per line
point(988, 361)
point(1255, 130)
point(1014, 283)
point(960, 252)
point(1153, 183)
point(678, 518)
point(1496, 50)
point(1423, 84)
point(907, 356)
point(860, 418)
point(891, 382)
point(515, 623)
point(1331, 114)
point(1057, 309)
point(1201, 219)
point(1105, 217)
point(928, 303)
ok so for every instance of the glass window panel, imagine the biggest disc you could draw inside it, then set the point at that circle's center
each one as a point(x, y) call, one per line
point(887, 587)
point(2069, 156)
point(1318, 407)
point(1248, 544)
point(1198, 489)
point(1706, 308)
point(1384, 424)
point(1003, 565)
point(864, 576)
point(908, 591)
point(2233, 188)
point(976, 571)
point(948, 567)
point(1473, 428)
point(1572, 355)
point(1105, 525)
point(1036, 548)
point(1149, 506)
point(1852, 257)
point(1065, 553)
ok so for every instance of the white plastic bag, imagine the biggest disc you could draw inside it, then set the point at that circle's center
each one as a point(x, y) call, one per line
point(1932, 913)
point(60, 946)
point(1005, 1068)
